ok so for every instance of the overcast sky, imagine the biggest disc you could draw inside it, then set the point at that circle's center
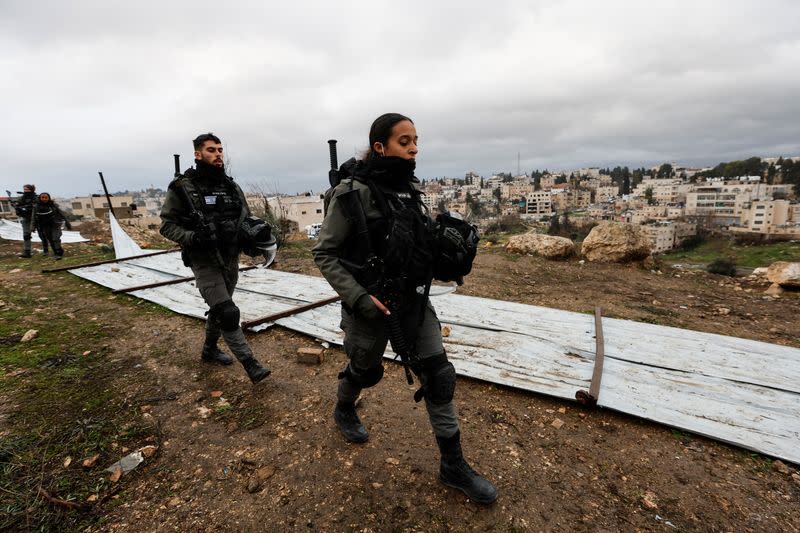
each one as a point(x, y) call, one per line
point(121, 86)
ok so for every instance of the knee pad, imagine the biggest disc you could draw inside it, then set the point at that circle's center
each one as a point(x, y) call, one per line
point(363, 378)
point(226, 315)
point(440, 379)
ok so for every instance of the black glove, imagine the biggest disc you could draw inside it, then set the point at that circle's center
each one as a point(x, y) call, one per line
point(204, 238)
point(67, 225)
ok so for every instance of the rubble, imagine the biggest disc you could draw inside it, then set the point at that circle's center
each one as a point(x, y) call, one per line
point(784, 273)
point(29, 335)
point(547, 246)
point(615, 242)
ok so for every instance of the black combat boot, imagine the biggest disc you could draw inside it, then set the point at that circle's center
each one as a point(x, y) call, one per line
point(455, 472)
point(348, 422)
point(212, 354)
point(24, 255)
point(254, 370)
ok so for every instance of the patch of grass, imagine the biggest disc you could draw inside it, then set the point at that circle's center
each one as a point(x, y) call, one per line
point(60, 403)
point(746, 255)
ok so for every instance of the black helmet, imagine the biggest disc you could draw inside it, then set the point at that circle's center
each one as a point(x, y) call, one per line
point(255, 238)
point(456, 244)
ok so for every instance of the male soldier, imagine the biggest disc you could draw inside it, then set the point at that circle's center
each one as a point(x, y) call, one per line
point(24, 208)
point(207, 230)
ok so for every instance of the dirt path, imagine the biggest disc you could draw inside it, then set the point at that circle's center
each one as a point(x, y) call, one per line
point(269, 457)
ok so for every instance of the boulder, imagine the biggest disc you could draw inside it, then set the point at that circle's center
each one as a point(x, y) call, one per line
point(547, 246)
point(615, 242)
point(785, 274)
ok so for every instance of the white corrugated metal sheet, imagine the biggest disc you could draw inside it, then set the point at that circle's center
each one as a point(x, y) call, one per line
point(735, 390)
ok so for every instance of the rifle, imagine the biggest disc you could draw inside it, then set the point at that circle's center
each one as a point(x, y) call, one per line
point(333, 173)
point(199, 220)
point(372, 274)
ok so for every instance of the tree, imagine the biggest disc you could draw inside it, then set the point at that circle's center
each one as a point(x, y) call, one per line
point(648, 195)
point(665, 171)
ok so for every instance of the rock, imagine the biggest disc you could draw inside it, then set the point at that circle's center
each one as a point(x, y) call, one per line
point(67, 461)
point(148, 451)
point(796, 478)
point(547, 246)
point(615, 242)
point(760, 272)
point(649, 500)
point(723, 311)
point(14, 271)
point(92, 498)
point(392, 461)
point(557, 423)
point(265, 472)
point(91, 461)
point(174, 502)
point(253, 485)
point(115, 475)
point(310, 356)
point(216, 393)
point(780, 466)
point(445, 331)
point(29, 335)
point(774, 290)
point(784, 273)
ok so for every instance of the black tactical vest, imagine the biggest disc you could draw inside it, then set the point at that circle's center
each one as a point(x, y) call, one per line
point(220, 203)
point(45, 214)
point(24, 206)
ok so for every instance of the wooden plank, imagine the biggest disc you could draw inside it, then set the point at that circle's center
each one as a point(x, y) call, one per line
point(597, 373)
point(95, 263)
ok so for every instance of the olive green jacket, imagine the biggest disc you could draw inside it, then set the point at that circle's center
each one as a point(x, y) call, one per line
point(336, 240)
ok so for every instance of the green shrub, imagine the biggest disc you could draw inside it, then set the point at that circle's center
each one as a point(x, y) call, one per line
point(723, 266)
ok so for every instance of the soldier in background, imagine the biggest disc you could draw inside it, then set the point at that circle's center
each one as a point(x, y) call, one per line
point(212, 249)
point(24, 209)
point(48, 220)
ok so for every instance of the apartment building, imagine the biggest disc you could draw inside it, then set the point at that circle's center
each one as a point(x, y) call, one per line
point(606, 193)
point(666, 235)
point(305, 209)
point(665, 190)
point(516, 189)
point(6, 209)
point(726, 201)
point(538, 205)
point(96, 206)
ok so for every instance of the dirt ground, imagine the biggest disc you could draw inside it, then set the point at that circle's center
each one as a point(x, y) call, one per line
point(234, 457)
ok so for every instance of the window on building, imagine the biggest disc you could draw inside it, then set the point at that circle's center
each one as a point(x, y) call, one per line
point(124, 204)
point(302, 212)
point(319, 211)
point(76, 205)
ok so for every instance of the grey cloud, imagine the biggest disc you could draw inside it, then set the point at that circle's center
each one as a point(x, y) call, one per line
point(119, 87)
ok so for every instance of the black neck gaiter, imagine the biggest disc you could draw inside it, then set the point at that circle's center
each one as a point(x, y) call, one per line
point(392, 171)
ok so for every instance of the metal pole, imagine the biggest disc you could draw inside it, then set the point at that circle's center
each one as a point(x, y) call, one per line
point(108, 196)
point(168, 282)
point(108, 261)
point(289, 312)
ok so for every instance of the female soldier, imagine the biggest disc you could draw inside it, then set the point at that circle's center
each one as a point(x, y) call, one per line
point(381, 189)
point(47, 221)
